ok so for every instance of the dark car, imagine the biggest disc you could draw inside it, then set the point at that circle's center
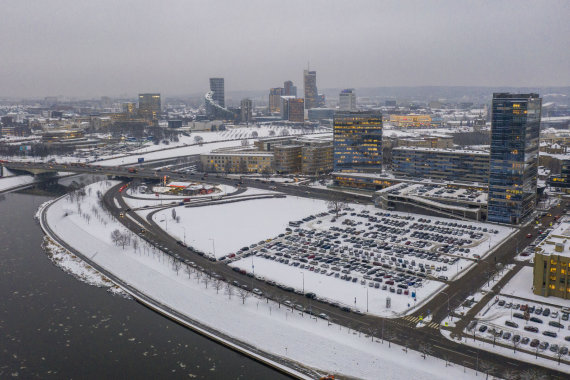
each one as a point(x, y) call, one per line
point(511, 324)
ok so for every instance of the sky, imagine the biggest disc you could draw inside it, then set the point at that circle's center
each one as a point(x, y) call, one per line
point(83, 48)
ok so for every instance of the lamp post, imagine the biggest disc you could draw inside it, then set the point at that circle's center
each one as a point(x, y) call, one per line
point(213, 246)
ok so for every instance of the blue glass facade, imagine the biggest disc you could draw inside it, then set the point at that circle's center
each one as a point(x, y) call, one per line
point(358, 142)
point(513, 168)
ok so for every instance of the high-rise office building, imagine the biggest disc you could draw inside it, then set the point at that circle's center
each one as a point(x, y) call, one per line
point(293, 109)
point(347, 100)
point(357, 141)
point(513, 166)
point(289, 89)
point(275, 99)
point(246, 110)
point(149, 106)
point(296, 110)
point(310, 85)
point(217, 87)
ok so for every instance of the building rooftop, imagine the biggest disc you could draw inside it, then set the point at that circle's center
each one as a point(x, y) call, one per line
point(444, 150)
point(558, 241)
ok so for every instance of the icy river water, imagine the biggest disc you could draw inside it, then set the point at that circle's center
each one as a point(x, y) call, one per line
point(54, 326)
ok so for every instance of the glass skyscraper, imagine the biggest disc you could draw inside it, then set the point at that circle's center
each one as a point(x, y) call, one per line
point(513, 168)
point(358, 141)
point(310, 85)
point(217, 87)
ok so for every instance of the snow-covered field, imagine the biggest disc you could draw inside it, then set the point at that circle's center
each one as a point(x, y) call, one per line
point(227, 227)
point(277, 330)
point(521, 286)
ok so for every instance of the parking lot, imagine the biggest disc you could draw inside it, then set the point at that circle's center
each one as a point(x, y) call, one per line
point(530, 326)
point(405, 256)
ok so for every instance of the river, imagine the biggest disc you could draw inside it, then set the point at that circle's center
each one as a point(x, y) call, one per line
point(54, 326)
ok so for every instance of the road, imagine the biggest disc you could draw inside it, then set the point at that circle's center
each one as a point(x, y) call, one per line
point(401, 331)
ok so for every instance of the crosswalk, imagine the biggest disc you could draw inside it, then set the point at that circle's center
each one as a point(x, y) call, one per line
point(416, 320)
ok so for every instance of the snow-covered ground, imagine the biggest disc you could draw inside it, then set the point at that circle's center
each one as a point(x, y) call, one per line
point(521, 286)
point(354, 295)
point(280, 331)
point(7, 183)
point(73, 265)
point(227, 227)
point(163, 199)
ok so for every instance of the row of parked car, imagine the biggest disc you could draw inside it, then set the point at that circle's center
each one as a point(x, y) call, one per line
point(527, 322)
point(518, 340)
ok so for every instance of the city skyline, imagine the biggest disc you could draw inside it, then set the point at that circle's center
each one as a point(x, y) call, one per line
point(165, 47)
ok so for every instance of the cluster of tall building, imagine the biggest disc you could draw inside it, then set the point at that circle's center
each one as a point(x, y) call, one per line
point(510, 170)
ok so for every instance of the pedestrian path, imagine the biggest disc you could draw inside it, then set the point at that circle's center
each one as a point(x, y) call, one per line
point(416, 320)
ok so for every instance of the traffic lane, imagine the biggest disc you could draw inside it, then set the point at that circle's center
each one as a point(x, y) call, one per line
point(401, 333)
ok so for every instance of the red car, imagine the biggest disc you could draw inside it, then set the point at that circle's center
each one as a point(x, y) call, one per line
point(528, 236)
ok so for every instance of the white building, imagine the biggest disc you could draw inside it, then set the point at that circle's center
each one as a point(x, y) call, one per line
point(347, 100)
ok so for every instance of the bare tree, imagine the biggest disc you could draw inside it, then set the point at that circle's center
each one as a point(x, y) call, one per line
point(135, 244)
point(206, 281)
point(389, 335)
point(272, 133)
point(533, 374)
point(372, 331)
point(336, 205)
point(243, 294)
point(173, 213)
point(198, 140)
point(188, 269)
point(245, 142)
point(176, 265)
point(446, 358)
point(116, 237)
point(511, 374)
point(425, 349)
point(229, 290)
point(487, 368)
point(218, 284)
point(266, 171)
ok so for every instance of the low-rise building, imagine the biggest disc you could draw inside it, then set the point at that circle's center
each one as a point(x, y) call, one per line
point(237, 161)
point(552, 263)
point(443, 164)
point(407, 121)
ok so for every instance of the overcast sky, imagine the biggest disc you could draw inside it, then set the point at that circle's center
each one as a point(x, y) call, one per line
point(109, 47)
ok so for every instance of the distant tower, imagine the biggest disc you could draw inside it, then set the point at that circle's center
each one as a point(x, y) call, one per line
point(149, 106)
point(347, 100)
point(310, 85)
point(246, 110)
point(513, 165)
point(275, 99)
point(217, 87)
point(289, 89)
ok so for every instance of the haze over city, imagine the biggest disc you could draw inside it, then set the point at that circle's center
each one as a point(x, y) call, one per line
point(90, 49)
point(285, 189)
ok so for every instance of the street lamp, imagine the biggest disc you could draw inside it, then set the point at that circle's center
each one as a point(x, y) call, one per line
point(213, 246)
